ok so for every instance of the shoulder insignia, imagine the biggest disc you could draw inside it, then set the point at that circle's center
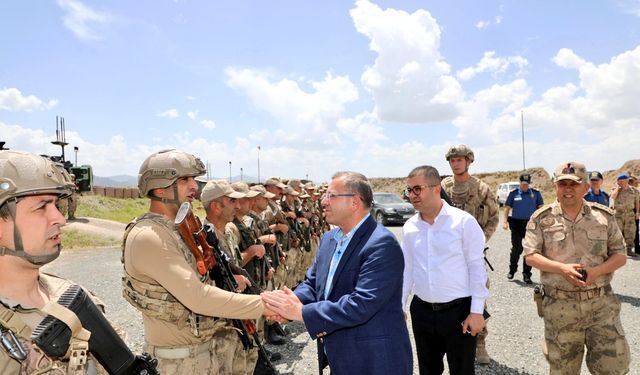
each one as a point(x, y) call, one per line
point(600, 207)
point(541, 210)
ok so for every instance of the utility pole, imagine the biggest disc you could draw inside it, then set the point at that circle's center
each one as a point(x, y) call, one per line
point(241, 177)
point(524, 168)
point(75, 149)
point(258, 164)
point(229, 171)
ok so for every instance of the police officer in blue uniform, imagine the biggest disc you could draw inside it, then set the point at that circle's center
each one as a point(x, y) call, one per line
point(595, 194)
point(524, 201)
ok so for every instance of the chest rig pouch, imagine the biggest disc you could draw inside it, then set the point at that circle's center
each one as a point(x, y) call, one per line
point(153, 299)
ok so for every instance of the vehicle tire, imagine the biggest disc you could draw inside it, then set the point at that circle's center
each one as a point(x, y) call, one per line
point(380, 218)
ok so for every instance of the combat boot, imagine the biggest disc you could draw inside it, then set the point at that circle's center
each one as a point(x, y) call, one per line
point(272, 336)
point(482, 356)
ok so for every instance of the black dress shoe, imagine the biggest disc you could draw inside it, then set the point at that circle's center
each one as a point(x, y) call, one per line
point(510, 276)
point(527, 279)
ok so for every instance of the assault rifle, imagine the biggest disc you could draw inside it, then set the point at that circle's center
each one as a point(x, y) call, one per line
point(54, 337)
point(204, 245)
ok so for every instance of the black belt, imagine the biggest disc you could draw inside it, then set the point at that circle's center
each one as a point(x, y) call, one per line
point(444, 305)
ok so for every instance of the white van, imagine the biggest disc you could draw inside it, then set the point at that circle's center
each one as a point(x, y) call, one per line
point(503, 191)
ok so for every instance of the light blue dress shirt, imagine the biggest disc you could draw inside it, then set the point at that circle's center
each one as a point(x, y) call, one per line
point(343, 241)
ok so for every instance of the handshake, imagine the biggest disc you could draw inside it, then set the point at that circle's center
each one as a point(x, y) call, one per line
point(281, 305)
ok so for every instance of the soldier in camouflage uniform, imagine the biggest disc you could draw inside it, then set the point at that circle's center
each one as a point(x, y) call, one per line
point(577, 246)
point(181, 309)
point(294, 256)
point(633, 181)
point(279, 225)
point(30, 237)
point(470, 194)
point(626, 204)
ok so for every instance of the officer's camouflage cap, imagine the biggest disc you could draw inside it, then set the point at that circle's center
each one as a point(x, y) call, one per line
point(571, 170)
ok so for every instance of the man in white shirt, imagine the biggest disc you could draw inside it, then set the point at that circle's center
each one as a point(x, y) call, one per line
point(444, 267)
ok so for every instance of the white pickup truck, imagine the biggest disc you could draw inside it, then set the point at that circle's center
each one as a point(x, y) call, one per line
point(503, 191)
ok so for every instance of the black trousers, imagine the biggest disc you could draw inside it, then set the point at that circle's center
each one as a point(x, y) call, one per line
point(518, 230)
point(439, 332)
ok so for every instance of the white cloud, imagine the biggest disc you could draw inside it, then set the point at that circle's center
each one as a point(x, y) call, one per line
point(209, 124)
point(566, 58)
point(495, 65)
point(498, 20)
point(629, 6)
point(306, 117)
point(81, 19)
point(492, 114)
point(11, 99)
point(170, 113)
point(482, 24)
point(190, 98)
point(409, 80)
point(193, 114)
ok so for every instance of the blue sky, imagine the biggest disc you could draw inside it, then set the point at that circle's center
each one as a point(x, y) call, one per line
point(377, 87)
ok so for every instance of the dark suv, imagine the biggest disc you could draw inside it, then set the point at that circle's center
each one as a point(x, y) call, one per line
point(390, 208)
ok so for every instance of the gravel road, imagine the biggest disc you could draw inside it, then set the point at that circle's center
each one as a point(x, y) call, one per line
point(515, 331)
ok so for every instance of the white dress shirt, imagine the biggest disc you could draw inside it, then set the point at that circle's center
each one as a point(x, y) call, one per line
point(444, 261)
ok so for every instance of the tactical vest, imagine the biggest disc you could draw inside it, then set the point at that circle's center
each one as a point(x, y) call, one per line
point(154, 300)
point(467, 197)
point(37, 362)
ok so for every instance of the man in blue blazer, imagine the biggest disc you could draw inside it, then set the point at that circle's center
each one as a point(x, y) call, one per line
point(350, 300)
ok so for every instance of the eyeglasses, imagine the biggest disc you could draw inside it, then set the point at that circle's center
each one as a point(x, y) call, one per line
point(417, 189)
point(330, 196)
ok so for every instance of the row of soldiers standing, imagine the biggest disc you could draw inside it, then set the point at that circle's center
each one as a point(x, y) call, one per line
point(273, 234)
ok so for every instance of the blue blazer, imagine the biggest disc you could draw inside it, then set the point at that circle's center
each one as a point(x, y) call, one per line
point(361, 325)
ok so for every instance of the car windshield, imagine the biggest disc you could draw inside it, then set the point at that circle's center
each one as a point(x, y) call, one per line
point(387, 198)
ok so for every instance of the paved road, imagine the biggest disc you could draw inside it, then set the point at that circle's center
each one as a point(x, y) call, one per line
point(515, 330)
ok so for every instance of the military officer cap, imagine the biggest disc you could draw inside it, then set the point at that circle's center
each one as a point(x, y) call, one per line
point(571, 170)
point(525, 177)
point(595, 175)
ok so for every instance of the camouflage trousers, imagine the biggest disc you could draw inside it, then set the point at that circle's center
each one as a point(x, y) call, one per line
point(223, 354)
point(627, 224)
point(293, 259)
point(202, 360)
point(570, 325)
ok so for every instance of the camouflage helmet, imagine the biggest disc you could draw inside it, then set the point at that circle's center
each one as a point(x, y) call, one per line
point(460, 150)
point(163, 168)
point(23, 174)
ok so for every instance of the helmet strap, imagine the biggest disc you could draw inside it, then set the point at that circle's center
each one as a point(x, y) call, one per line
point(167, 201)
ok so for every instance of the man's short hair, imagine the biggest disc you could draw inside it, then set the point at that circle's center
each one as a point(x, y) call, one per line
point(357, 183)
point(428, 172)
